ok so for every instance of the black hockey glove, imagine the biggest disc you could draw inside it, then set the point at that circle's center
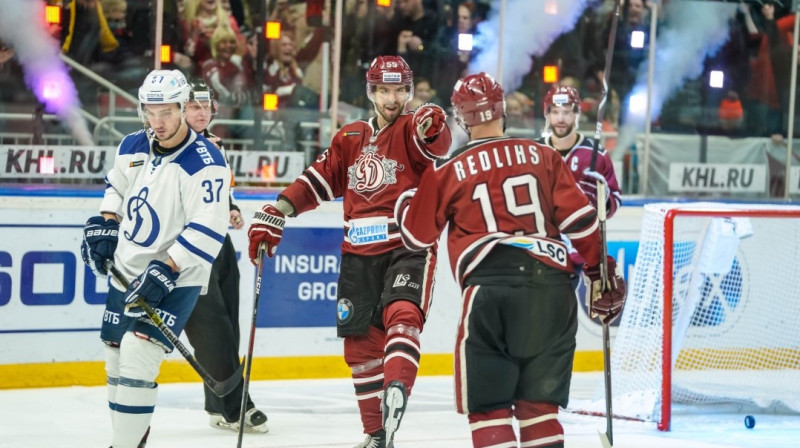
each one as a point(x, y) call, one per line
point(605, 302)
point(155, 283)
point(99, 243)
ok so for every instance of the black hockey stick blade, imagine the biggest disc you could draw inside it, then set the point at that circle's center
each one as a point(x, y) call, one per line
point(218, 388)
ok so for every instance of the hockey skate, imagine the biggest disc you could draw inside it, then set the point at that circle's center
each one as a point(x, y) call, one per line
point(393, 406)
point(255, 422)
point(377, 440)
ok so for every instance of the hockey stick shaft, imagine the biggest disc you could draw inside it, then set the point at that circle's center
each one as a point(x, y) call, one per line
point(251, 341)
point(608, 438)
point(219, 388)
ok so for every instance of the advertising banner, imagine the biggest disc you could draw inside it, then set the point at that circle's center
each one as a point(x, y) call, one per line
point(93, 162)
point(720, 177)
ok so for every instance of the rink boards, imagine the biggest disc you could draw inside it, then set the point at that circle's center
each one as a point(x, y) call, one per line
point(51, 305)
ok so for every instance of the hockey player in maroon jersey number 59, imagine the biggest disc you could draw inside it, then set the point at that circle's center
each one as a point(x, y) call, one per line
point(384, 290)
point(507, 201)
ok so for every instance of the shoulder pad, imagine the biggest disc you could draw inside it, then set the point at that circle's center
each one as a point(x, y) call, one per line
point(138, 142)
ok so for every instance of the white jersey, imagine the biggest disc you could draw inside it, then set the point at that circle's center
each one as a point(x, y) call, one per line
point(172, 206)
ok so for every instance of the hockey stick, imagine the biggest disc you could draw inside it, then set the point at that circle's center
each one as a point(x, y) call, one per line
point(219, 388)
point(606, 439)
point(249, 358)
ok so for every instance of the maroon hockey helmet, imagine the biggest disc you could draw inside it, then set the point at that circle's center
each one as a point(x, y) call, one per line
point(562, 96)
point(478, 99)
point(389, 70)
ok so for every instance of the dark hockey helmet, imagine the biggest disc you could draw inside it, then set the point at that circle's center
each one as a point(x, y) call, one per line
point(562, 96)
point(389, 70)
point(200, 91)
point(478, 99)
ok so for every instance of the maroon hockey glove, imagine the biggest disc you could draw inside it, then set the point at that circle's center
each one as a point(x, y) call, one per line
point(429, 120)
point(605, 302)
point(267, 228)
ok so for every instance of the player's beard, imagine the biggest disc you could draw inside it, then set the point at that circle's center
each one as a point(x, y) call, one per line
point(389, 119)
point(567, 132)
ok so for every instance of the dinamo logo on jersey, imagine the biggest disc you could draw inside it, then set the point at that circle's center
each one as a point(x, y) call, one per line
point(146, 224)
point(372, 172)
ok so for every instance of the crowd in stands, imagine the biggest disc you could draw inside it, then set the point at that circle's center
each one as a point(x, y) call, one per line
point(216, 40)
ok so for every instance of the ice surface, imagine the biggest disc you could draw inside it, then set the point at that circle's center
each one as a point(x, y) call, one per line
point(323, 413)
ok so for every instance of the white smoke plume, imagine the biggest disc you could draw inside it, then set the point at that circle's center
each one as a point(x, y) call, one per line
point(693, 31)
point(531, 26)
point(22, 27)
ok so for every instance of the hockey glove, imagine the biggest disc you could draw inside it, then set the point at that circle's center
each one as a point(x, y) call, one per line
point(155, 283)
point(588, 185)
point(267, 228)
point(605, 302)
point(429, 120)
point(99, 243)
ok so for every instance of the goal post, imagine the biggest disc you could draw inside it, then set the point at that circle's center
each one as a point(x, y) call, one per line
point(711, 314)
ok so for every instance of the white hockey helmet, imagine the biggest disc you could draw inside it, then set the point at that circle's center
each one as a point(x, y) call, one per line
point(164, 87)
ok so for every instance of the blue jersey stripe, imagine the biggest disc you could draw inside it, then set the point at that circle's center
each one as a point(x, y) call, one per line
point(191, 248)
point(207, 231)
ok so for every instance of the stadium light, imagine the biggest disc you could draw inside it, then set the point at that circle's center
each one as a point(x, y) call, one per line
point(166, 54)
point(638, 103)
point(385, 3)
point(465, 42)
point(268, 172)
point(551, 7)
point(52, 15)
point(270, 102)
point(637, 39)
point(550, 74)
point(47, 165)
point(716, 79)
point(273, 30)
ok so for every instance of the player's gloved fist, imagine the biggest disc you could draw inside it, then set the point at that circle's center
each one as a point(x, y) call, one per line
point(588, 184)
point(267, 228)
point(605, 302)
point(155, 283)
point(402, 203)
point(429, 120)
point(99, 243)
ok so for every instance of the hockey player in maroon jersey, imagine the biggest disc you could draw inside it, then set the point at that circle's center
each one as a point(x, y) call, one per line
point(384, 290)
point(562, 112)
point(506, 202)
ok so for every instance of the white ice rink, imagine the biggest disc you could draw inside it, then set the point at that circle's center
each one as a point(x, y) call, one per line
point(322, 413)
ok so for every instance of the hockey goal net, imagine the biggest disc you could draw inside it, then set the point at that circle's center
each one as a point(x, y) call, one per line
point(712, 318)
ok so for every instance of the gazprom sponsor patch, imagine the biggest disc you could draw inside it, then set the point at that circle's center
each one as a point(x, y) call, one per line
point(392, 77)
point(541, 248)
point(368, 231)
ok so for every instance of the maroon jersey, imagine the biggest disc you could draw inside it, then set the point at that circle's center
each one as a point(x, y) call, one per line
point(579, 159)
point(226, 77)
point(502, 191)
point(368, 168)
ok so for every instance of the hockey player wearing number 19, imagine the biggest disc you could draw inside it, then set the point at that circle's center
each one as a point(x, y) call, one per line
point(506, 201)
point(384, 290)
point(162, 221)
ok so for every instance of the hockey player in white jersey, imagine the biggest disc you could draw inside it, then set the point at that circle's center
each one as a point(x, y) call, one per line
point(162, 221)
